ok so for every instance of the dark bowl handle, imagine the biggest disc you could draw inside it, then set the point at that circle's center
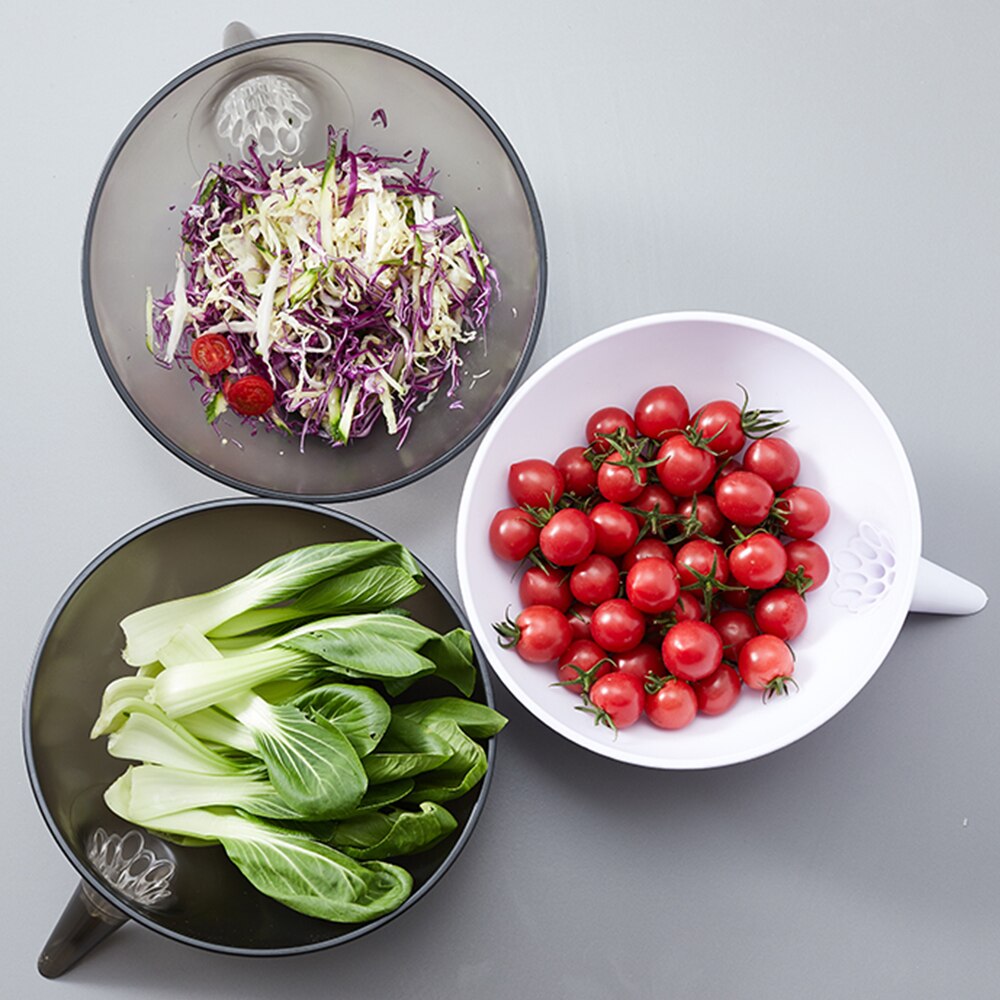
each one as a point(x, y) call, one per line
point(87, 920)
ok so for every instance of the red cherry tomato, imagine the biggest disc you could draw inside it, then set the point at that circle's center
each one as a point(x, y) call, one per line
point(739, 598)
point(759, 561)
point(735, 628)
point(250, 396)
point(718, 692)
point(545, 586)
point(578, 474)
point(781, 612)
point(539, 634)
point(721, 424)
point(745, 498)
point(773, 459)
point(646, 548)
point(617, 626)
point(568, 537)
point(706, 512)
point(811, 558)
point(806, 511)
point(702, 558)
point(652, 586)
point(691, 650)
point(653, 499)
point(619, 483)
point(513, 534)
point(682, 468)
point(616, 529)
point(211, 353)
point(605, 422)
point(766, 665)
point(662, 411)
point(581, 657)
point(673, 706)
point(641, 661)
point(726, 468)
point(595, 580)
point(535, 483)
point(621, 697)
point(579, 616)
point(688, 608)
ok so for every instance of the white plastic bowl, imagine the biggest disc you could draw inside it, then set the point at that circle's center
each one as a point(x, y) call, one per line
point(849, 451)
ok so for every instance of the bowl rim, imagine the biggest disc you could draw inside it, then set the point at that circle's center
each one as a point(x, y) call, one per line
point(814, 722)
point(533, 208)
point(124, 905)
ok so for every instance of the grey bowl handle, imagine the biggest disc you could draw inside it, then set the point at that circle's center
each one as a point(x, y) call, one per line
point(236, 33)
point(87, 920)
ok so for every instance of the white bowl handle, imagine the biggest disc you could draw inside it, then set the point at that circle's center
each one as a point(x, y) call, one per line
point(941, 592)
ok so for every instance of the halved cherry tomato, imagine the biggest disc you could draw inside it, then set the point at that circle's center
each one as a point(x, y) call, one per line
point(773, 459)
point(719, 691)
point(616, 529)
point(745, 498)
point(513, 534)
point(691, 650)
point(652, 586)
point(594, 580)
point(683, 468)
point(620, 696)
point(781, 612)
point(545, 586)
point(806, 511)
point(250, 396)
point(578, 474)
point(212, 353)
point(605, 422)
point(673, 706)
point(759, 561)
point(617, 626)
point(581, 657)
point(811, 558)
point(535, 483)
point(568, 537)
point(662, 411)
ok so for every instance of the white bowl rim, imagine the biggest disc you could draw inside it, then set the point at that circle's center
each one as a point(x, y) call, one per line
point(906, 582)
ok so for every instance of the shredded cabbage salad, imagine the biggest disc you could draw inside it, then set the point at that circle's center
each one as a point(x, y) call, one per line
point(338, 284)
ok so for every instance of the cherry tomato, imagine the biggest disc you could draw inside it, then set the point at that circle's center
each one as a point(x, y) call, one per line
point(702, 558)
point(773, 459)
point(652, 586)
point(568, 537)
point(539, 634)
point(641, 661)
point(621, 697)
point(745, 498)
point(582, 656)
point(250, 396)
point(673, 706)
point(579, 616)
point(811, 558)
point(535, 483)
point(718, 692)
point(653, 499)
point(806, 511)
point(662, 411)
point(781, 612)
point(766, 664)
point(739, 598)
point(688, 608)
point(726, 468)
point(721, 424)
point(646, 548)
point(616, 529)
point(595, 580)
point(682, 468)
point(735, 628)
point(211, 353)
point(707, 514)
point(545, 586)
point(691, 650)
point(605, 422)
point(759, 561)
point(617, 626)
point(578, 474)
point(619, 483)
point(513, 534)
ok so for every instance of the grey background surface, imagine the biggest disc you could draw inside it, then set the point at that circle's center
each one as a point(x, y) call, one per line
point(828, 167)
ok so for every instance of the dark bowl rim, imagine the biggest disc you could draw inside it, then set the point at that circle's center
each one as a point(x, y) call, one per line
point(533, 208)
point(138, 915)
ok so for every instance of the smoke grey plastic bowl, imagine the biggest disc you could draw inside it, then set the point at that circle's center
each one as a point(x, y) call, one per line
point(131, 243)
